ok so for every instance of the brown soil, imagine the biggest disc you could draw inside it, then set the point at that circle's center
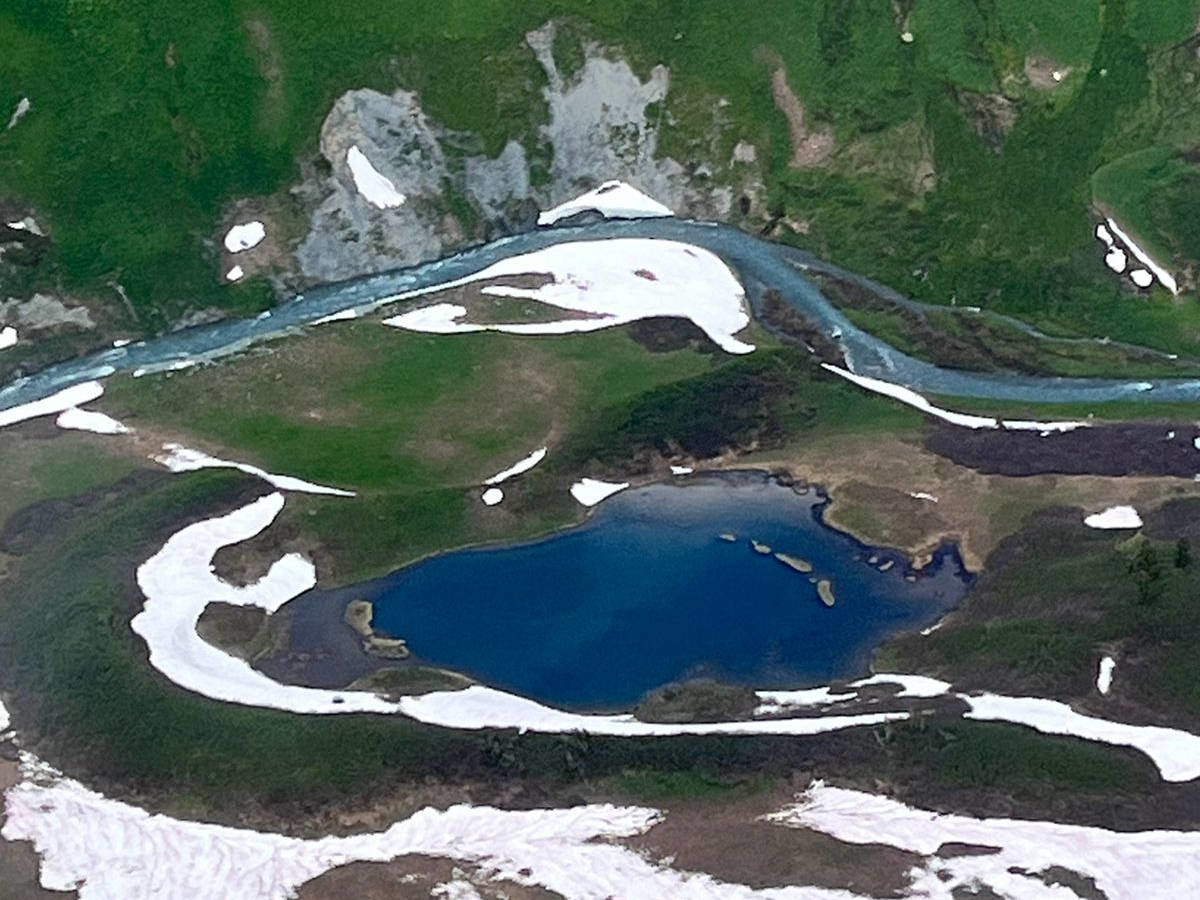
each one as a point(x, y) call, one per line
point(810, 147)
point(1039, 70)
point(869, 478)
point(730, 841)
point(412, 877)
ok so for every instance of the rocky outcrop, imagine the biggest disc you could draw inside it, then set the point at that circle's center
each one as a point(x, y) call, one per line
point(602, 122)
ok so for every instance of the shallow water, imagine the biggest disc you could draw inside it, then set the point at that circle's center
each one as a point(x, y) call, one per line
point(646, 592)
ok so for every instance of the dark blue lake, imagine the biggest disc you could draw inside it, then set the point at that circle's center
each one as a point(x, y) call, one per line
point(646, 592)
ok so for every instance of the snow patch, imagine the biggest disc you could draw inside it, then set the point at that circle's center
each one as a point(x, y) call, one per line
point(235, 274)
point(682, 470)
point(371, 183)
point(613, 200)
point(923, 495)
point(244, 236)
point(1116, 260)
point(1105, 675)
point(913, 399)
point(1141, 278)
point(19, 113)
point(518, 468)
point(86, 420)
point(590, 491)
point(178, 582)
point(1125, 865)
point(492, 496)
point(344, 315)
point(1165, 278)
point(614, 281)
point(76, 395)
point(180, 459)
point(1114, 517)
point(8, 337)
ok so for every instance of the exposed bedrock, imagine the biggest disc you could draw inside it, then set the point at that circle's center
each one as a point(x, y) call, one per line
point(596, 124)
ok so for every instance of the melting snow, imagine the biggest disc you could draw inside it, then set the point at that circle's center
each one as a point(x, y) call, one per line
point(181, 459)
point(77, 395)
point(234, 274)
point(86, 420)
point(344, 315)
point(590, 491)
point(492, 496)
point(613, 200)
point(1165, 278)
point(1141, 278)
point(244, 236)
point(1114, 517)
point(371, 183)
point(18, 113)
point(1116, 260)
point(1125, 865)
point(519, 467)
point(8, 337)
point(682, 470)
point(614, 281)
point(912, 398)
point(1105, 675)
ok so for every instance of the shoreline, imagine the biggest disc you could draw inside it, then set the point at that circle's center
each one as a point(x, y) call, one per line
point(313, 618)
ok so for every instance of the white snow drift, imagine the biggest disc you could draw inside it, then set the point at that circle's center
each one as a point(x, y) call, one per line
point(76, 395)
point(245, 236)
point(612, 282)
point(1104, 675)
point(492, 496)
point(613, 200)
point(235, 274)
point(590, 491)
point(1125, 865)
point(371, 183)
point(519, 467)
point(966, 420)
point(8, 337)
point(1176, 753)
point(1114, 517)
point(1165, 278)
point(86, 420)
point(178, 582)
point(108, 850)
point(180, 459)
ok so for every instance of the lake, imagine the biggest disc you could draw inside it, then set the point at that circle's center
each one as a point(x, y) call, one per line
point(647, 592)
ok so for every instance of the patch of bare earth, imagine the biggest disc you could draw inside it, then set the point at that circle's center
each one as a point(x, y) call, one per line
point(976, 510)
point(1043, 73)
point(415, 877)
point(810, 147)
point(729, 841)
point(270, 67)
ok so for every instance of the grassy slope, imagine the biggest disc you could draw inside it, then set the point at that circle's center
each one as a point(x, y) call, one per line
point(149, 117)
point(1055, 597)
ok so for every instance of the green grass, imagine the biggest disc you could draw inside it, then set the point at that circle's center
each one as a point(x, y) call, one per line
point(1113, 411)
point(148, 118)
point(1037, 621)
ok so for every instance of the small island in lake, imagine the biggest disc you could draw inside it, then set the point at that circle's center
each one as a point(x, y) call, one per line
point(825, 591)
point(760, 547)
point(795, 563)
